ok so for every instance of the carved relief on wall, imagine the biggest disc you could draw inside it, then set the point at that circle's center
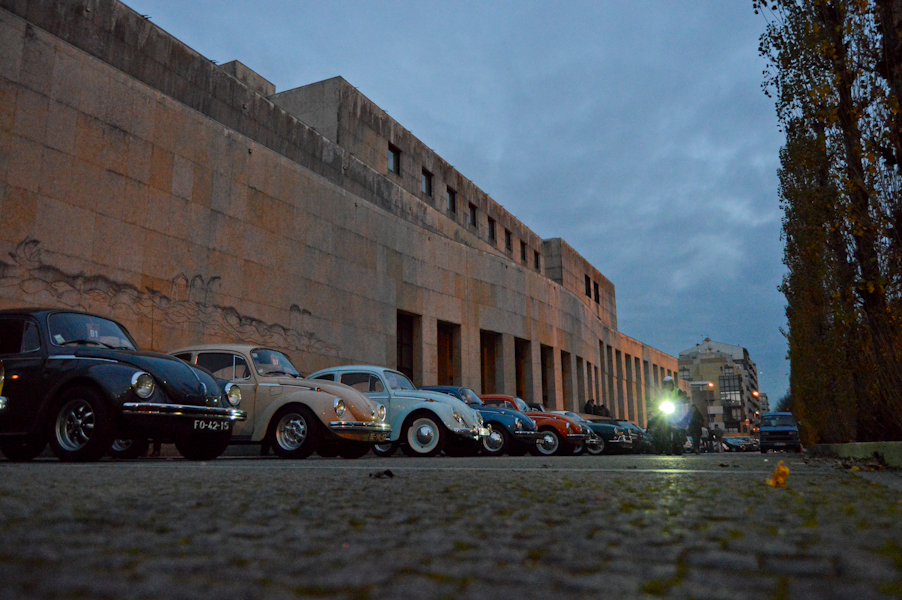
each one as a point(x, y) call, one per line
point(189, 302)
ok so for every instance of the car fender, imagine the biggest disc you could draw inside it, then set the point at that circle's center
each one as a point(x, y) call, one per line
point(507, 421)
point(444, 412)
point(320, 404)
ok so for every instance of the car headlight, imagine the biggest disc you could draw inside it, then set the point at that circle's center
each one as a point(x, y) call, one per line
point(233, 394)
point(339, 406)
point(458, 418)
point(143, 384)
point(569, 429)
point(479, 418)
point(518, 425)
point(380, 413)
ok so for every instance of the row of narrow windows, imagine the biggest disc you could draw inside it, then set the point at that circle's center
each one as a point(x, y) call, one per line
point(427, 188)
point(590, 287)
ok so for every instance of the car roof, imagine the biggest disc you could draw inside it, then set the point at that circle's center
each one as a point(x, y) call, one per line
point(226, 347)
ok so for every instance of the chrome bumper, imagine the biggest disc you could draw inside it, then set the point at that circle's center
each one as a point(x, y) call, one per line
point(593, 442)
point(528, 436)
point(575, 438)
point(183, 410)
point(476, 433)
point(361, 431)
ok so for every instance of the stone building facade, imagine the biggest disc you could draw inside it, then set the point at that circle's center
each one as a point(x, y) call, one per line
point(195, 204)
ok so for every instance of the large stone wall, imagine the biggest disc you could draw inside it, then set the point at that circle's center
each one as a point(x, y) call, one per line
point(138, 180)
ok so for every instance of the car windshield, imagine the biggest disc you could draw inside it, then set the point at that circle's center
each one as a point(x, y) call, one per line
point(778, 421)
point(272, 363)
point(521, 405)
point(79, 329)
point(470, 397)
point(397, 381)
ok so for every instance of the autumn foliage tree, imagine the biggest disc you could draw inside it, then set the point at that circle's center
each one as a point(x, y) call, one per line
point(835, 72)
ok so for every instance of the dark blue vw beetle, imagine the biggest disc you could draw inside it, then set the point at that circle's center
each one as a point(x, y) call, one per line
point(511, 432)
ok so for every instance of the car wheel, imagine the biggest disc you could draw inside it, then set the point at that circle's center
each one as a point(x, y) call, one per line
point(129, 448)
point(599, 449)
point(385, 450)
point(351, 450)
point(460, 448)
point(497, 441)
point(293, 432)
point(82, 429)
point(24, 448)
point(204, 447)
point(549, 444)
point(424, 436)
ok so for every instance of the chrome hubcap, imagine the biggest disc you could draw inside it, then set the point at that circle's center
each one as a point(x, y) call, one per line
point(422, 435)
point(494, 441)
point(75, 425)
point(548, 444)
point(291, 431)
point(122, 445)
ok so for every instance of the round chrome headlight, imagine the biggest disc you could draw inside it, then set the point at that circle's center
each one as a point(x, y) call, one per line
point(518, 425)
point(458, 418)
point(143, 384)
point(380, 413)
point(233, 394)
point(568, 426)
point(339, 406)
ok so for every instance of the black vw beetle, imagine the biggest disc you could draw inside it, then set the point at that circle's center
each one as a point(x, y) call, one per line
point(78, 381)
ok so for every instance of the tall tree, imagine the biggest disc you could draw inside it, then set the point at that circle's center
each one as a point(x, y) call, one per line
point(835, 73)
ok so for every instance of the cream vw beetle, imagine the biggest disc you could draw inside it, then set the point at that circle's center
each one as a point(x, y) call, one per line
point(288, 413)
point(423, 423)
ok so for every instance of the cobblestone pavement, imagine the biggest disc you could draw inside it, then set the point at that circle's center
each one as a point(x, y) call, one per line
point(702, 527)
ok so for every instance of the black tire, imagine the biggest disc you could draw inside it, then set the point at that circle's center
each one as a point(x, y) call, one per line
point(518, 449)
point(294, 432)
point(81, 429)
point(423, 435)
point(352, 450)
point(550, 445)
point(461, 448)
point(129, 448)
point(498, 442)
point(22, 448)
point(596, 450)
point(204, 447)
point(762, 450)
point(327, 450)
point(385, 450)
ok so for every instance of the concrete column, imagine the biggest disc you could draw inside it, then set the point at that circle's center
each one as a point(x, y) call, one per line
point(571, 400)
point(556, 382)
point(506, 369)
point(534, 375)
point(425, 358)
point(470, 357)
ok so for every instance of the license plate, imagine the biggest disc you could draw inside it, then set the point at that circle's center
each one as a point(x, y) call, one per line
point(205, 425)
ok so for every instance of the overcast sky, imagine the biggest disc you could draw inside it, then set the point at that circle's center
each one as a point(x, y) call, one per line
point(635, 131)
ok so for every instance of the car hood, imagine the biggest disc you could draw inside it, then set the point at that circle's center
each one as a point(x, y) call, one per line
point(527, 422)
point(359, 404)
point(462, 408)
point(182, 383)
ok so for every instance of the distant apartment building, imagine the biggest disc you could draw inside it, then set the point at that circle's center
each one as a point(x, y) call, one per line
point(195, 203)
point(724, 383)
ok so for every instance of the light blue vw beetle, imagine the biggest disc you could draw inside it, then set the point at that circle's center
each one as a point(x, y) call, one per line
point(423, 423)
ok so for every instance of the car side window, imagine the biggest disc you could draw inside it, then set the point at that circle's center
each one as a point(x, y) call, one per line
point(224, 365)
point(326, 377)
point(185, 356)
point(362, 382)
point(18, 335)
